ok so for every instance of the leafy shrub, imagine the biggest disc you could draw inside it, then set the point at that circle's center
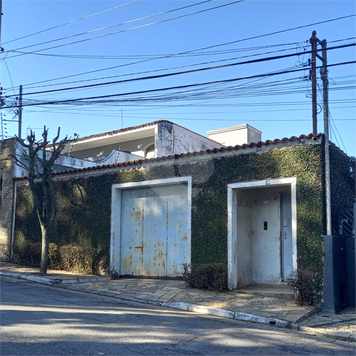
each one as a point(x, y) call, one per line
point(54, 256)
point(304, 284)
point(27, 253)
point(77, 259)
point(211, 276)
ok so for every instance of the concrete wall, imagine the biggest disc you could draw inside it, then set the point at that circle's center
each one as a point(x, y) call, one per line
point(63, 163)
point(136, 147)
point(174, 139)
point(235, 135)
point(7, 149)
point(168, 138)
point(118, 157)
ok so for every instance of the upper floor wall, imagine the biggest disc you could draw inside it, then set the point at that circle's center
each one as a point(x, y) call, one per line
point(236, 135)
point(152, 140)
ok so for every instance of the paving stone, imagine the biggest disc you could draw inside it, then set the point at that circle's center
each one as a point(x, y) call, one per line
point(170, 288)
point(152, 297)
point(158, 291)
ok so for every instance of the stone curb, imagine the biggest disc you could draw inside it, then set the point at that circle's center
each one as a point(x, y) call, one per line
point(228, 314)
point(48, 281)
point(42, 280)
point(308, 315)
point(190, 307)
point(329, 334)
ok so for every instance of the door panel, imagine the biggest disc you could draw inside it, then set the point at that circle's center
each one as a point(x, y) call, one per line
point(265, 236)
point(154, 230)
point(177, 228)
point(154, 236)
point(286, 222)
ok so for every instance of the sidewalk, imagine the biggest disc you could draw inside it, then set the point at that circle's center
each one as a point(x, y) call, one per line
point(268, 305)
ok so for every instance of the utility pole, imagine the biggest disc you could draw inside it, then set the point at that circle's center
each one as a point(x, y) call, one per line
point(2, 128)
point(312, 77)
point(20, 112)
point(314, 41)
point(324, 77)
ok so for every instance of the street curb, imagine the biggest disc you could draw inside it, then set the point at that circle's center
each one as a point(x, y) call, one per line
point(316, 310)
point(228, 314)
point(189, 307)
point(48, 281)
point(42, 280)
point(330, 334)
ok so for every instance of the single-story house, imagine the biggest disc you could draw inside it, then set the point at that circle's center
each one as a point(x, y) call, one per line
point(152, 140)
point(257, 208)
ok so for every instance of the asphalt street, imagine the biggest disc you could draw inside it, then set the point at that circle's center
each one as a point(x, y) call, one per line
point(43, 320)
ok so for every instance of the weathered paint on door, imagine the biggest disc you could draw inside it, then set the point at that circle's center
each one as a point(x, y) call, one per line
point(286, 222)
point(265, 231)
point(154, 231)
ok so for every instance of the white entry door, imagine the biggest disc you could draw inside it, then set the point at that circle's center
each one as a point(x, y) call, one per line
point(154, 231)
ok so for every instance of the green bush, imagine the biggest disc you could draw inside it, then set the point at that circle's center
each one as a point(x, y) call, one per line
point(77, 259)
point(304, 283)
point(211, 276)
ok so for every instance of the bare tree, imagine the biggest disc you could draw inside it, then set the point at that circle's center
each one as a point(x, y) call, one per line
point(38, 161)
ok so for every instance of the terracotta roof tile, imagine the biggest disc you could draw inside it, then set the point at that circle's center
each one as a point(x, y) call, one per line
point(189, 154)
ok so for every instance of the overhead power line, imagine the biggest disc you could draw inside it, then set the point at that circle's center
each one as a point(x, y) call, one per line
point(31, 85)
point(106, 97)
point(107, 27)
point(68, 23)
point(126, 30)
point(196, 50)
point(153, 56)
point(155, 70)
point(179, 73)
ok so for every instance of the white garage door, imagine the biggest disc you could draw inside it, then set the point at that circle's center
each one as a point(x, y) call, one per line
point(154, 231)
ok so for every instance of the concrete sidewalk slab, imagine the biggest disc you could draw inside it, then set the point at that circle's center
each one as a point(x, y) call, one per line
point(260, 304)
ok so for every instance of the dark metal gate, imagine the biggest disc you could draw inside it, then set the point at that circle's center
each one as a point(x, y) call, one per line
point(339, 265)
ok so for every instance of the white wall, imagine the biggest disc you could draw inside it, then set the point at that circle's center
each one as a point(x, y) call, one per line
point(235, 135)
point(63, 161)
point(135, 146)
point(174, 139)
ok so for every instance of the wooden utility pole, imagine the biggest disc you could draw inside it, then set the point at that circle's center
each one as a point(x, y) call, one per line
point(313, 42)
point(324, 77)
point(20, 112)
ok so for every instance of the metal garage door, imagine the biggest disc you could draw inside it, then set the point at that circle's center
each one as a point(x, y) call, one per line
point(154, 231)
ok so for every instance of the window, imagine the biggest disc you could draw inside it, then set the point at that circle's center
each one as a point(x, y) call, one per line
point(150, 151)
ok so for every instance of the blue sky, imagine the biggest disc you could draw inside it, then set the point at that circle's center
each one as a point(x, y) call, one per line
point(138, 46)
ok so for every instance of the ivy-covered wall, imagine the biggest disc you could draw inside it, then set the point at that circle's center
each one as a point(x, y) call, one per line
point(7, 149)
point(342, 181)
point(81, 238)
